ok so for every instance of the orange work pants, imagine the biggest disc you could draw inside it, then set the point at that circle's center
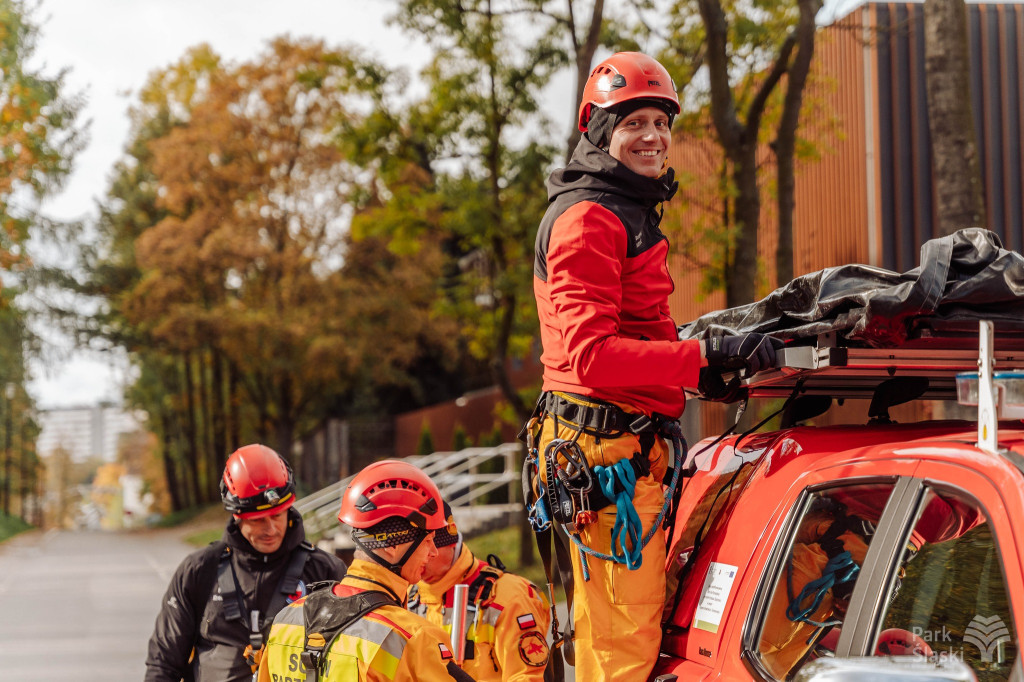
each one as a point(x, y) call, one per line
point(617, 611)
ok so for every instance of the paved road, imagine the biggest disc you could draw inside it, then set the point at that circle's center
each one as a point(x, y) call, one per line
point(80, 605)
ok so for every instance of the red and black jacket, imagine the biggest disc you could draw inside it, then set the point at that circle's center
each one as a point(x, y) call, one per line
point(602, 284)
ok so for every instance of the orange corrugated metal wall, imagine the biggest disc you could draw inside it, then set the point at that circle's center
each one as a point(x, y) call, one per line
point(869, 197)
point(828, 224)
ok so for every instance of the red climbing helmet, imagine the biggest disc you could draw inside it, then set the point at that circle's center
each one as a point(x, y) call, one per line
point(257, 482)
point(627, 76)
point(392, 488)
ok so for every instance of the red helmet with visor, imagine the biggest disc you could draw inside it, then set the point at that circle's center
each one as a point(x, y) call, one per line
point(392, 488)
point(627, 76)
point(257, 482)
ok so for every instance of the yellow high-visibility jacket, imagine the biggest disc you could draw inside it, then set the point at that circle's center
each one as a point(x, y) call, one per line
point(388, 644)
point(508, 629)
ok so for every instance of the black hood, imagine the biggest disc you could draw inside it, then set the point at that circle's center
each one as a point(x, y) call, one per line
point(247, 555)
point(595, 169)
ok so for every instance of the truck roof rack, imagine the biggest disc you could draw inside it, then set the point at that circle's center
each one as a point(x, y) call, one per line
point(827, 368)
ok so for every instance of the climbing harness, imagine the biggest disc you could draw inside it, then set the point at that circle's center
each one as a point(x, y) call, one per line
point(234, 601)
point(562, 502)
point(572, 492)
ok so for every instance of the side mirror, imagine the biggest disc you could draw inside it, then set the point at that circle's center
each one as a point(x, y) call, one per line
point(888, 668)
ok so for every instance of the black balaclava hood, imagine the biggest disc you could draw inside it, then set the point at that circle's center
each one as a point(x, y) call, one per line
point(603, 121)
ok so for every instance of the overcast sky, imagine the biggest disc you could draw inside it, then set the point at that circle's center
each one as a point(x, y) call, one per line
point(111, 46)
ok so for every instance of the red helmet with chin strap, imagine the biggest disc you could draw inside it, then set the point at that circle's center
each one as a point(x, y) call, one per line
point(392, 488)
point(627, 76)
point(257, 482)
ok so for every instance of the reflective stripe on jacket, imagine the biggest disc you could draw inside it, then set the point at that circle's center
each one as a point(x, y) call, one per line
point(388, 644)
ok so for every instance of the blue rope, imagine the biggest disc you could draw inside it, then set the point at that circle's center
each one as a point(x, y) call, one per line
point(839, 569)
point(622, 516)
point(626, 547)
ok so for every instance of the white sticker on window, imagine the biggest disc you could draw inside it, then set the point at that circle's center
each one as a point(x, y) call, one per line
point(714, 596)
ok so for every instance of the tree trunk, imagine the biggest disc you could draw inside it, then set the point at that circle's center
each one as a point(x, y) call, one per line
point(584, 54)
point(205, 394)
point(189, 428)
point(959, 195)
point(739, 140)
point(173, 485)
point(741, 276)
point(785, 140)
point(284, 423)
point(234, 416)
point(217, 408)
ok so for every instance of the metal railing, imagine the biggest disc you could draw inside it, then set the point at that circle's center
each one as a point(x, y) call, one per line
point(457, 475)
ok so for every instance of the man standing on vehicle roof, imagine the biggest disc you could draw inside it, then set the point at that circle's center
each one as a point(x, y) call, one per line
point(507, 619)
point(223, 598)
point(359, 629)
point(614, 368)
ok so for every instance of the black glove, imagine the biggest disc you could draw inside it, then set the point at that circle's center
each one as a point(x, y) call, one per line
point(712, 386)
point(751, 352)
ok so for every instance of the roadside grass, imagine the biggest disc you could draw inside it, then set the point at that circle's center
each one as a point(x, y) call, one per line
point(504, 544)
point(202, 525)
point(205, 537)
point(11, 526)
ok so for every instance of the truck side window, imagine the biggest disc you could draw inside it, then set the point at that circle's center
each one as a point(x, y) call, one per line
point(951, 599)
point(817, 577)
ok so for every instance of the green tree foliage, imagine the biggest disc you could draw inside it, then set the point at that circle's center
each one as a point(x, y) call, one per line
point(746, 50)
point(38, 137)
point(38, 140)
point(456, 177)
point(425, 443)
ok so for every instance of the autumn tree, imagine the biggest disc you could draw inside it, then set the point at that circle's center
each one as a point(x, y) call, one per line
point(112, 273)
point(747, 52)
point(483, 87)
point(38, 133)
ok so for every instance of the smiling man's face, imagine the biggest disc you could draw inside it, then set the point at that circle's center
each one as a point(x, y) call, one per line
point(640, 141)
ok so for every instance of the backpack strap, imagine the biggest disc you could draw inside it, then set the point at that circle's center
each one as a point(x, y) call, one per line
point(482, 584)
point(325, 616)
point(228, 587)
point(289, 583)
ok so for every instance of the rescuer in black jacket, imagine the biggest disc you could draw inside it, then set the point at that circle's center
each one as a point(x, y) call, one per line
point(223, 598)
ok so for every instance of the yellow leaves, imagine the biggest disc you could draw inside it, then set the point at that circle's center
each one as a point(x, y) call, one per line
point(37, 135)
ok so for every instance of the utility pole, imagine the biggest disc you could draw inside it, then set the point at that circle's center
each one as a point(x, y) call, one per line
point(11, 388)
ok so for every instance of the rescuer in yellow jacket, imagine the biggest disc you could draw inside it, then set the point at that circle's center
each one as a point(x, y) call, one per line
point(507, 619)
point(359, 629)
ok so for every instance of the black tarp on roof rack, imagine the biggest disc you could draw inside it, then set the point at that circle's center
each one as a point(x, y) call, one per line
point(964, 277)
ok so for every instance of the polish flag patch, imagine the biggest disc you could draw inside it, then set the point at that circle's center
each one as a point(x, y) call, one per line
point(446, 653)
point(526, 622)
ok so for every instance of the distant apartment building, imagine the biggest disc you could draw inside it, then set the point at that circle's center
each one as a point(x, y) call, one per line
point(86, 431)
